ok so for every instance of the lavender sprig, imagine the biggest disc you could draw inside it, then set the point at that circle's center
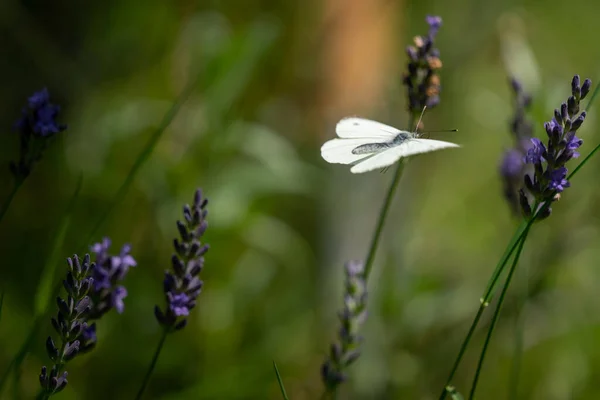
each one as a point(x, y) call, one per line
point(106, 292)
point(352, 317)
point(69, 324)
point(549, 160)
point(182, 285)
point(36, 126)
point(422, 81)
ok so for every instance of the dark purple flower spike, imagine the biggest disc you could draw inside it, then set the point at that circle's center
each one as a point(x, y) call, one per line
point(182, 285)
point(36, 127)
point(422, 81)
point(69, 324)
point(549, 176)
point(347, 350)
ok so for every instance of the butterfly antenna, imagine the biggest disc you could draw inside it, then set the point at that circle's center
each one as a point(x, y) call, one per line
point(420, 118)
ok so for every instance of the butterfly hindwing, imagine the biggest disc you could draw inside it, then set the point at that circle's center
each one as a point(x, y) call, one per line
point(339, 151)
point(391, 155)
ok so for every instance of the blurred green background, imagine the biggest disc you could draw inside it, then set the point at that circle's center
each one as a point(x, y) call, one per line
point(271, 79)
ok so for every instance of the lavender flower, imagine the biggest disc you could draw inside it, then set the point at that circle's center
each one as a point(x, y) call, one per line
point(109, 270)
point(182, 285)
point(512, 166)
point(105, 293)
point(69, 324)
point(36, 126)
point(421, 80)
point(352, 317)
point(550, 173)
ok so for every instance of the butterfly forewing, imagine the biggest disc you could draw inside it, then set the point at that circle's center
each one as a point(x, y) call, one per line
point(353, 128)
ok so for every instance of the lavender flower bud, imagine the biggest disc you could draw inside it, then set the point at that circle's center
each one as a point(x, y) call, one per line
point(67, 324)
point(575, 88)
point(182, 285)
point(36, 127)
point(585, 88)
point(421, 81)
point(352, 317)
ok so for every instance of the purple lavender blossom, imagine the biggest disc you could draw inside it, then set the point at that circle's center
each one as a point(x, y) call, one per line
point(182, 285)
point(108, 272)
point(36, 126)
point(70, 325)
point(421, 80)
point(550, 173)
point(353, 315)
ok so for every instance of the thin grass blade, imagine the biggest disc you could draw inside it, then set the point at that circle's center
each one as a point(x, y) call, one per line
point(1, 302)
point(280, 381)
point(142, 158)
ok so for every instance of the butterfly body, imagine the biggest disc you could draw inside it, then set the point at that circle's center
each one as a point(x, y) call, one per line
point(369, 145)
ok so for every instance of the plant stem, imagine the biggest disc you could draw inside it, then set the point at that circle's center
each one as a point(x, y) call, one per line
point(381, 220)
point(484, 302)
point(497, 314)
point(519, 336)
point(280, 382)
point(10, 198)
point(152, 365)
point(384, 211)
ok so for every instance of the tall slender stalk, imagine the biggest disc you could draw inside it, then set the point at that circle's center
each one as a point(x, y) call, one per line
point(496, 315)
point(382, 216)
point(140, 392)
point(513, 390)
point(384, 212)
point(10, 197)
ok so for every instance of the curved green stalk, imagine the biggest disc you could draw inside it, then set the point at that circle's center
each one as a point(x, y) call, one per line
point(152, 365)
point(10, 198)
point(383, 212)
point(280, 381)
point(496, 315)
point(381, 220)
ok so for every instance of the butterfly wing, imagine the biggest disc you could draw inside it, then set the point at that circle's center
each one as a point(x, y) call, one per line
point(420, 146)
point(392, 155)
point(356, 128)
point(382, 159)
point(339, 151)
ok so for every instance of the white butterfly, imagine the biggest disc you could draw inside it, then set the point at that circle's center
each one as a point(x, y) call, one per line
point(369, 145)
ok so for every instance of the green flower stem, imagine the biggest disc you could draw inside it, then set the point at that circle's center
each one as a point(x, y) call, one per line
point(280, 382)
point(9, 199)
point(513, 387)
point(152, 365)
point(483, 303)
point(384, 211)
point(497, 314)
point(381, 220)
